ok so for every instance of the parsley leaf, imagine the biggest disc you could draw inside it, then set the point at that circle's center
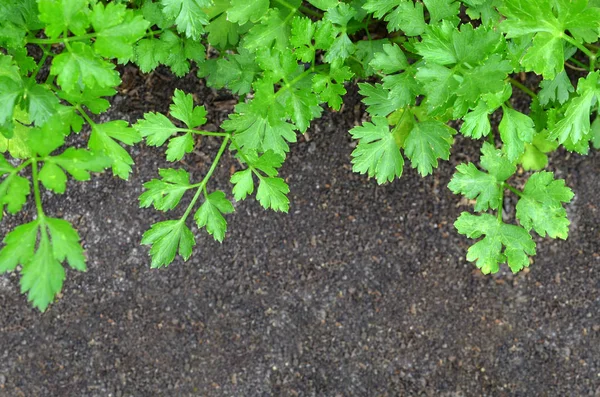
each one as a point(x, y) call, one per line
point(377, 153)
point(103, 140)
point(540, 206)
point(427, 142)
point(166, 239)
point(272, 192)
point(164, 194)
point(516, 129)
point(80, 68)
point(188, 14)
point(487, 252)
point(486, 188)
point(210, 214)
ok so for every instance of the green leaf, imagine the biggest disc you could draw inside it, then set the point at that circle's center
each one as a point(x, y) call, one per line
point(442, 9)
point(19, 246)
point(555, 90)
point(41, 103)
point(272, 192)
point(80, 162)
point(301, 104)
point(486, 188)
point(236, 72)
point(243, 184)
point(242, 11)
point(515, 129)
point(301, 38)
point(210, 214)
point(65, 243)
point(80, 68)
point(164, 194)
point(540, 206)
point(42, 278)
point(331, 88)
point(179, 146)
point(545, 56)
point(166, 239)
point(272, 32)
point(377, 153)
point(189, 15)
point(575, 125)
point(401, 15)
point(183, 109)
point(253, 130)
point(117, 30)
point(63, 15)
point(10, 91)
point(222, 33)
point(14, 190)
point(324, 4)
point(378, 99)
point(488, 253)
point(473, 183)
point(428, 141)
point(53, 178)
point(156, 128)
point(477, 123)
point(104, 139)
point(391, 60)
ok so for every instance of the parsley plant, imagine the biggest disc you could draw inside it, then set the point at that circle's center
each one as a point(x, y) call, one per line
point(429, 69)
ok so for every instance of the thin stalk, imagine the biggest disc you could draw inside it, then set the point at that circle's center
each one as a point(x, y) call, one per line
point(522, 87)
point(69, 39)
point(36, 190)
point(582, 48)
point(202, 185)
point(513, 189)
point(239, 150)
point(85, 116)
point(39, 65)
point(491, 138)
point(23, 165)
point(499, 215)
point(202, 132)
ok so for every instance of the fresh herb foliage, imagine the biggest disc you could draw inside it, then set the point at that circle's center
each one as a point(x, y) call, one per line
point(430, 69)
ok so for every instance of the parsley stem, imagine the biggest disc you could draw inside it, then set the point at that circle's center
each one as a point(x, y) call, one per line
point(581, 48)
point(243, 156)
point(39, 66)
point(513, 189)
point(302, 9)
point(522, 87)
point(202, 132)
point(36, 190)
point(61, 40)
point(85, 116)
point(202, 185)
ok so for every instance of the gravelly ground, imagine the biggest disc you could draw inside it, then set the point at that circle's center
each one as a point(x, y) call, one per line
point(359, 291)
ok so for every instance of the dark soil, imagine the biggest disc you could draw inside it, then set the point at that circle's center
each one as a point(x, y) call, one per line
point(361, 290)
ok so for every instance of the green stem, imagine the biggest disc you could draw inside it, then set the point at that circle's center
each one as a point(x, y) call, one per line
point(312, 13)
point(23, 165)
point(39, 65)
point(36, 190)
point(202, 185)
point(202, 132)
point(579, 46)
point(491, 139)
point(296, 79)
point(239, 150)
point(65, 39)
point(513, 189)
point(85, 116)
point(580, 64)
point(522, 87)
